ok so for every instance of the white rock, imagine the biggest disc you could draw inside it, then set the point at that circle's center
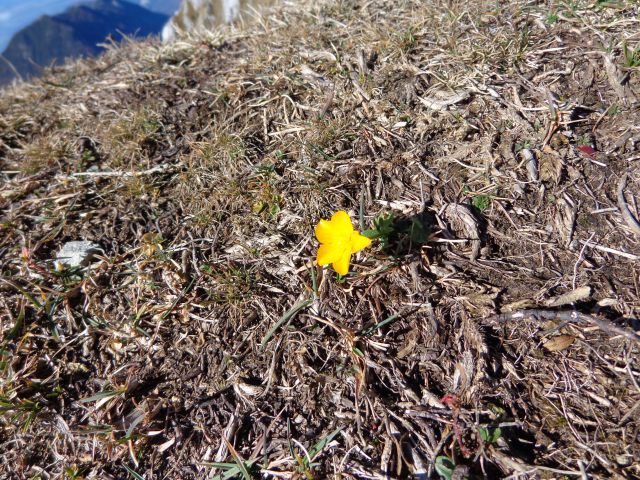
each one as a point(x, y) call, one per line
point(76, 254)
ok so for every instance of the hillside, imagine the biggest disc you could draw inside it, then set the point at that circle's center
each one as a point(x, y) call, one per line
point(76, 32)
point(168, 7)
point(490, 330)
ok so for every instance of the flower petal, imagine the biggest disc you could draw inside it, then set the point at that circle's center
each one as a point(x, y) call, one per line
point(328, 254)
point(341, 223)
point(325, 231)
point(341, 265)
point(358, 242)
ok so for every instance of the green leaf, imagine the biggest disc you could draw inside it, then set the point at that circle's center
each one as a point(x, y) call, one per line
point(101, 396)
point(498, 411)
point(490, 435)
point(139, 417)
point(319, 446)
point(135, 475)
point(314, 281)
point(231, 470)
point(289, 314)
point(444, 467)
point(368, 331)
point(17, 327)
point(28, 296)
point(220, 465)
point(384, 224)
point(361, 211)
point(419, 232)
point(239, 460)
point(372, 234)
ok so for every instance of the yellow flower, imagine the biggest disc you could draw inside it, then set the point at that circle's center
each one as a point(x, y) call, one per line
point(338, 241)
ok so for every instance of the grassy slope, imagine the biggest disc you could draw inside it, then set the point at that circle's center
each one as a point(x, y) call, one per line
point(209, 162)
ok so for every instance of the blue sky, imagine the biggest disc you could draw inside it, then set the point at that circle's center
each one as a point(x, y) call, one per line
point(16, 14)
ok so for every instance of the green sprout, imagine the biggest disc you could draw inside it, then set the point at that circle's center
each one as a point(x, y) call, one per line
point(481, 202)
point(490, 435)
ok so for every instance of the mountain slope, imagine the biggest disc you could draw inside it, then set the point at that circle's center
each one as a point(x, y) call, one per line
point(168, 7)
point(18, 14)
point(75, 32)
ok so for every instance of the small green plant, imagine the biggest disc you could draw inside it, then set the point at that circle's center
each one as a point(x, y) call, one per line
point(400, 235)
point(537, 125)
point(87, 157)
point(523, 145)
point(305, 461)
point(524, 39)
point(319, 150)
point(150, 126)
point(305, 457)
point(552, 17)
point(382, 229)
point(481, 202)
point(233, 471)
point(232, 284)
point(269, 200)
point(407, 40)
point(245, 466)
point(24, 411)
point(584, 139)
point(614, 110)
point(499, 412)
point(206, 268)
point(631, 56)
point(490, 435)
point(73, 472)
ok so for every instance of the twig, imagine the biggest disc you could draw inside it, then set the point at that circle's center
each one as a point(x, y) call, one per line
point(157, 169)
point(441, 104)
point(605, 325)
point(358, 87)
point(602, 248)
point(519, 468)
point(629, 414)
point(579, 261)
point(583, 470)
point(628, 217)
point(470, 167)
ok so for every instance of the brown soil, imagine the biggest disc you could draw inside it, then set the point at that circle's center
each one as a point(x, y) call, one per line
point(495, 327)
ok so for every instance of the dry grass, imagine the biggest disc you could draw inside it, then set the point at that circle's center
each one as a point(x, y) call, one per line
point(498, 136)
